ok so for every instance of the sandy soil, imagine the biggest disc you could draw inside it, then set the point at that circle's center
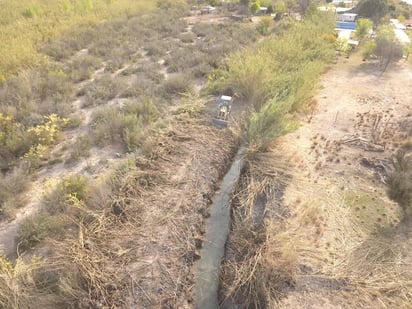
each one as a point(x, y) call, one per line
point(340, 212)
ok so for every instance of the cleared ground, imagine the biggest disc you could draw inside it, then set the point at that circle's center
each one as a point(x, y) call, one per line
point(351, 251)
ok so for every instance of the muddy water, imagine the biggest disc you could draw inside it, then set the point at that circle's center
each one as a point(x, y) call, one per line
point(217, 230)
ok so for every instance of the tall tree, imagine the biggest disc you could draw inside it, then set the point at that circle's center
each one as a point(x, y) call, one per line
point(304, 4)
point(363, 27)
point(388, 49)
point(373, 9)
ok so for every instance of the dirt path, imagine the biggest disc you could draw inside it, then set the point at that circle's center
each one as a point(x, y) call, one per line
point(341, 156)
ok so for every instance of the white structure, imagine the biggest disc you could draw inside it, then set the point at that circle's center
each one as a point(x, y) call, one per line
point(402, 36)
point(344, 34)
point(397, 24)
point(347, 17)
point(346, 2)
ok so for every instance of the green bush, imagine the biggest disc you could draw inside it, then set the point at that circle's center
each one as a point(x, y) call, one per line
point(36, 228)
point(15, 141)
point(264, 25)
point(125, 126)
point(176, 84)
point(278, 76)
point(70, 191)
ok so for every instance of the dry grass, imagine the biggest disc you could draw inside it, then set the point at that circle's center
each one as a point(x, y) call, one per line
point(117, 250)
point(261, 260)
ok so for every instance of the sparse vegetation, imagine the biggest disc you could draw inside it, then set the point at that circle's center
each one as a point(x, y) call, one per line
point(132, 83)
point(400, 183)
point(126, 126)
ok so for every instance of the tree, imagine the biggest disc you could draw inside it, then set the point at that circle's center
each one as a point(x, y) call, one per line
point(363, 27)
point(373, 9)
point(400, 183)
point(368, 49)
point(303, 4)
point(388, 49)
point(255, 6)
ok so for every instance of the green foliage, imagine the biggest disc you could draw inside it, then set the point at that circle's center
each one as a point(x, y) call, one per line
point(342, 46)
point(25, 25)
point(255, 6)
point(363, 28)
point(368, 49)
point(126, 126)
point(280, 7)
point(43, 135)
point(388, 49)
point(373, 9)
point(400, 183)
point(14, 140)
point(401, 18)
point(264, 25)
point(71, 191)
point(213, 2)
point(279, 75)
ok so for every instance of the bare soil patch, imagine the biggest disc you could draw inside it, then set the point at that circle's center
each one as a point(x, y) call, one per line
point(344, 228)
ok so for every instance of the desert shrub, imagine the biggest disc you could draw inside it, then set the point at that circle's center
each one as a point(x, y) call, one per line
point(103, 90)
point(187, 37)
point(80, 149)
point(43, 135)
point(201, 29)
point(36, 228)
point(60, 49)
point(125, 126)
point(176, 84)
point(106, 125)
point(182, 59)
point(145, 82)
point(147, 70)
point(15, 140)
point(32, 94)
point(71, 191)
point(166, 23)
point(157, 48)
point(400, 183)
point(81, 68)
point(264, 25)
point(99, 196)
point(202, 70)
point(56, 85)
point(11, 185)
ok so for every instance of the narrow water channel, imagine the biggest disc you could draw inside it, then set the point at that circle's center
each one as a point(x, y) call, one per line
point(217, 231)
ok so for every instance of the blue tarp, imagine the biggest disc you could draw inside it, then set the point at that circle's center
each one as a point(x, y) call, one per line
point(345, 25)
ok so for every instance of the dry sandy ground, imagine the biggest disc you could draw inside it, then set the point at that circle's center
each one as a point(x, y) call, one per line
point(352, 252)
